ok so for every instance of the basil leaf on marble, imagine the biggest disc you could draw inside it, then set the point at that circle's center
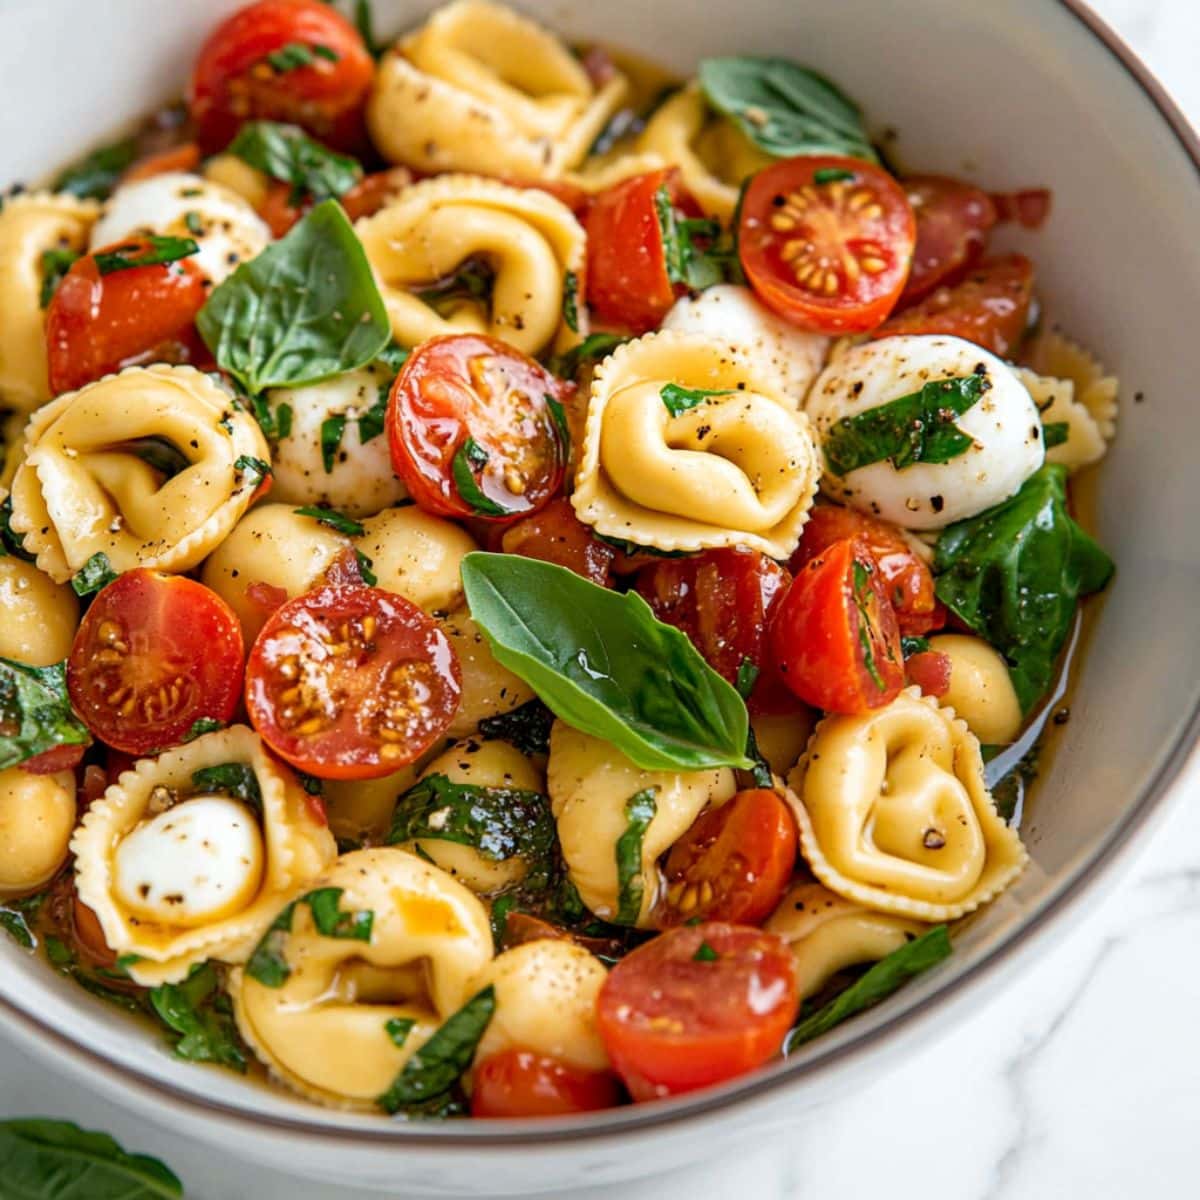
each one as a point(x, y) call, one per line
point(640, 810)
point(200, 1013)
point(287, 153)
point(35, 712)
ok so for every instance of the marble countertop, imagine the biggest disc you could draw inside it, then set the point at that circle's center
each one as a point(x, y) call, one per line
point(1079, 1078)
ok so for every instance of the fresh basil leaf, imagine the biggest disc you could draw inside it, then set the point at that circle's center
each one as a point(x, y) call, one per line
point(915, 428)
point(199, 1012)
point(526, 727)
point(679, 400)
point(570, 301)
point(473, 281)
point(335, 520)
point(275, 423)
point(62, 959)
point(640, 810)
point(332, 429)
point(365, 24)
point(42, 1159)
point(472, 457)
point(605, 665)
point(398, 1029)
point(831, 175)
point(163, 455)
point(161, 250)
point(310, 783)
point(498, 918)
point(632, 548)
point(287, 153)
point(267, 963)
point(201, 726)
point(95, 574)
point(913, 645)
point(35, 712)
point(884, 978)
point(747, 677)
point(230, 779)
point(760, 772)
point(434, 1069)
point(56, 263)
point(333, 922)
point(705, 953)
point(10, 542)
point(94, 176)
point(365, 563)
point(303, 310)
point(784, 108)
point(17, 916)
point(255, 468)
point(297, 54)
point(860, 587)
point(558, 415)
point(593, 348)
point(685, 261)
point(1055, 434)
point(1014, 575)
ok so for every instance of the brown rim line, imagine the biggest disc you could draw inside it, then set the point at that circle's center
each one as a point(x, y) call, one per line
point(641, 1119)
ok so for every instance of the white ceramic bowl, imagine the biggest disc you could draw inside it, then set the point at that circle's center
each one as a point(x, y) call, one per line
point(1013, 94)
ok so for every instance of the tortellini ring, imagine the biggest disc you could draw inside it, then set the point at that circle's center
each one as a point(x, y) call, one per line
point(37, 815)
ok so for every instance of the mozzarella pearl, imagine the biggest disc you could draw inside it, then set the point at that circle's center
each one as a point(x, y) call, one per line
point(192, 864)
point(1004, 425)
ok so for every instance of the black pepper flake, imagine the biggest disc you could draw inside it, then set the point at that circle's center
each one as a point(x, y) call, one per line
point(1062, 716)
point(933, 840)
point(857, 388)
point(937, 503)
point(1138, 397)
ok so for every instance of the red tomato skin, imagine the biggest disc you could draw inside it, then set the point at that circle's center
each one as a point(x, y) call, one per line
point(557, 535)
point(521, 1083)
point(96, 324)
point(930, 671)
point(672, 1024)
point(1029, 207)
point(953, 221)
point(376, 191)
point(232, 82)
point(49, 762)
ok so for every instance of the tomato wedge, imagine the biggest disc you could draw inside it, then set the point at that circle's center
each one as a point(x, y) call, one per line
point(696, 1006)
point(989, 307)
point(97, 324)
point(154, 654)
point(733, 864)
point(476, 429)
point(282, 60)
point(351, 682)
point(520, 1083)
point(953, 220)
point(826, 242)
point(835, 634)
point(557, 535)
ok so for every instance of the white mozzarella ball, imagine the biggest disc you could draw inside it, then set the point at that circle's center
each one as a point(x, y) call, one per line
point(1004, 426)
point(361, 480)
point(736, 316)
point(226, 228)
point(194, 863)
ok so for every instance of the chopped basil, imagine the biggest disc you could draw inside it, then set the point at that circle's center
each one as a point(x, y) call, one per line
point(275, 423)
point(860, 586)
point(332, 429)
point(632, 548)
point(95, 574)
point(372, 422)
point(747, 677)
point(194, 223)
point(558, 415)
point(267, 963)
point(287, 153)
point(470, 458)
point(1055, 434)
point(365, 25)
point(201, 726)
point(784, 108)
point(310, 783)
point(365, 563)
point(640, 809)
point(10, 542)
point(526, 727)
point(200, 1013)
point(94, 176)
point(335, 520)
point(686, 262)
point(55, 264)
point(705, 953)
point(62, 959)
point(16, 917)
point(679, 400)
point(161, 250)
point(498, 918)
point(231, 779)
point(303, 310)
point(472, 281)
point(915, 428)
point(332, 922)
point(398, 1029)
point(570, 301)
point(831, 175)
point(35, 712)
point(256, 468)
point(603, 663)
point(297, 54)
point(593, 347)
point(913, 645)
point(164, 456)
point(1014, 575)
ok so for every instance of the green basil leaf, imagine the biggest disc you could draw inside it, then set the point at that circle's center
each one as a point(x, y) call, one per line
point(1055, 434)
point(526, 727)
point(784, 108)
point(42, 1159)
point(705, 953)
point(55, 264)
point(593, 348)
point(287, 153)
point(640, 810)
point(470, 458)
point(332, 922)
point(332, 429)
point(570, 301)
point(335, 520)
point(95, 574)
point(163, 455)
point(94, 176)
point(10, 542)
point(199, 1012)
point(632, 548)
point(275, 423)
point(297, 54)
point(685, 261)
point(434, 1069)
point(254, 468)
point(884, 978)
point(558, 415)
point(35, 712)
point(398, 1029)
point(230, 779)
point(303, 310)
point(201, 726)
point(472, 281)
point(267, 963)
point(605, 665)
point(365, 563)
point(372, 422)
point(913, 645)
point(860, 587)
point(747, 677)
point(831, 175)
point(17, 916)
point(915, 428)
point(1014, 575)
point(365, 24)
point(680, 399)
point(161, 250)
point(62, 959)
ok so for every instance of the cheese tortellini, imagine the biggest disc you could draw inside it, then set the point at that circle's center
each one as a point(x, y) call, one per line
point(177, 872)
point(1078, 442)
point(894, 813)
point(417, 555)
point(31, 225)
point(40, 615)
point(327, 1030)
point(480, 87)
point(37, 815)
point(591, 783)
point(690, 446)
point(84, 489)
point(981, 690)
point(532, 245)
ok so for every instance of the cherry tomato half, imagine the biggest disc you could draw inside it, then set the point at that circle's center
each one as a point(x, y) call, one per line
point(930, 671)
point(989, 307)
point(827, 242)
point(696, 1006)
point(520, 1083)
point(97, 324)
point(835, 634)
point(154, 654)
point(299, 61)
point(473, 429)
point(351, 682)
point(557, 535)
point(376, 191)
point(907, 580)
point(953, 220)
point(733, 864)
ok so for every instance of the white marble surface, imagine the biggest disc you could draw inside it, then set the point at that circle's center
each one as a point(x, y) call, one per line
point(1081, 1078)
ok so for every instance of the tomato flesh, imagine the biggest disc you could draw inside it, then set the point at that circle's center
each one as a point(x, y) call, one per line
point(557, 535)
point(930, 671)
point(835, 633)
point(96, 324)
point(351, 682)
point(469, 403)
point(733, 864)
point(826, 242)
point(521, 1083)
point(953, 220)
point(376, 191)
point(696, 1006)
point(154, 654)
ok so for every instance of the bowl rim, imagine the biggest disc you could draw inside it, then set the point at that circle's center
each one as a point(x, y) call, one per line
point(644, 1119)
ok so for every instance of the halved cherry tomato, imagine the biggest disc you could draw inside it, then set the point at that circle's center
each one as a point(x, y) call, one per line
point(351, 682)
point(282, 60)
point(930, 671)
point(97, 324)
point(88, 937)
point(154, 654)
point(835, 634)
point(827, 242)
point(907, 579)
point(953, 220)
point(696, 1006)
point(723, 600)
point(557, 535)
point(473, 431)
point(733, 864)
point(571, 194)
point(1030, 207)
point(49, 762)
point(374, 191)
point(989, 307)
point(520, 1083)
